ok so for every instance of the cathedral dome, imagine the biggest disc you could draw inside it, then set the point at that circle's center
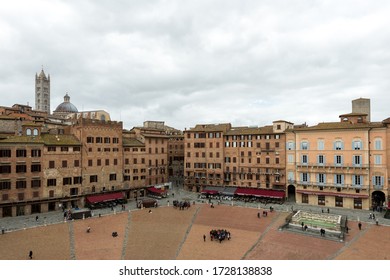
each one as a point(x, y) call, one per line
point(66, 106)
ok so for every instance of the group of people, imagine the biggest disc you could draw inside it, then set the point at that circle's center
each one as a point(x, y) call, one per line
point(182, 205)
point(218, 234)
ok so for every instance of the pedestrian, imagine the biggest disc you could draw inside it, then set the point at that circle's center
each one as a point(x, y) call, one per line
point(360, 225)
point(377, 222)
point(328, 210)
point(30, 255)
point(373, 216)
point(204, 237)
point(346, 229)
point(322, 210)
point(36, 218)
point(258, 215)
point(302, 225)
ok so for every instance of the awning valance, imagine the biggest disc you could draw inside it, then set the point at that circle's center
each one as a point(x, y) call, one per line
point(104, 197)
point(260, 192)
point(156, 190)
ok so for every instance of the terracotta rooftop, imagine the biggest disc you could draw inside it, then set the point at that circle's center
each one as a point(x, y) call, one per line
point(250, 130)
point(211, 127)
point(132, 142)
point(44, 139)
point(340, 125)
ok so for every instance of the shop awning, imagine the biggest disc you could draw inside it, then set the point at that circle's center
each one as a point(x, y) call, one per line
point(260, 193)
point(104, 197)
point(212, 190)
point(156, 190)
point(229, 190)
point(351, 195)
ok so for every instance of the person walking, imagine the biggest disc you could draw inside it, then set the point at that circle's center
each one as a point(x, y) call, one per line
point(204, 237)
point(360, 225)
point(30, 255)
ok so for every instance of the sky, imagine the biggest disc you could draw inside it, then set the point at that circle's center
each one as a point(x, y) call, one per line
point(247, 63)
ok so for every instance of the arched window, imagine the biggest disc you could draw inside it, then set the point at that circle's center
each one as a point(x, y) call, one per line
point(102, 117)
point(35, 131)
point(28, 132)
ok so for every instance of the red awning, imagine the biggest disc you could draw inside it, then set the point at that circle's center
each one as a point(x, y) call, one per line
point(333, 194)
point(260, 192)
point(104, 197)
point(156, 190)
point(209, 191)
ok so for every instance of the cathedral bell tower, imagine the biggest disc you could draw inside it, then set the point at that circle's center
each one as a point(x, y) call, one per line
point(42, 92)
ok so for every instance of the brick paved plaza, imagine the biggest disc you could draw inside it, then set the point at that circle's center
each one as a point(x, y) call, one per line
point(172, 234)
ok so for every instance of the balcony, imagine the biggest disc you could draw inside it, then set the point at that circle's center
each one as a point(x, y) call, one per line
point(378, 187)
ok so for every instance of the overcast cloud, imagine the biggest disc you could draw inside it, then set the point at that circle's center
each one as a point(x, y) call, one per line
point(189, 62)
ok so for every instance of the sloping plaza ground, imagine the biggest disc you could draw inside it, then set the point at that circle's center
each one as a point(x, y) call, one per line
point(168, 233)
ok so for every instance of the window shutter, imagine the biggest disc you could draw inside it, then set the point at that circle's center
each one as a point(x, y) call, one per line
point(373, 180)
point(382, 180)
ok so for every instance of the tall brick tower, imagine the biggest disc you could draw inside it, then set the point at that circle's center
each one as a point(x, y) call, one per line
point(42, 92)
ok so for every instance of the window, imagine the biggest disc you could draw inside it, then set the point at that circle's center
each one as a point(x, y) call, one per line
point(64, 149)
point(76, 163)
point(378, 181)
point(51, 182)
point(28, 132)
point(377, 159)
point(90, 163)
point(35, 153)
point(357, 180)
point(5, 185)
point(338, 201)
point(5, 169)
point(21, 184)
point(93, 179)
point(52, 164)
point(115, 161)
point(51, 149)
point(290, 158)
point(321, 200)
point(22, 168)
point(304, 178)
point(357, 160)
point(305, 198)
point(321, 178)
point(320, 145)
point(21, 153)
point(5, 153)
point(339, 179)
point(115, 140)
point(35, 183)
point(99, 140)
point(35, 168)
point(107, 162)
point(338, 145)
point(304, 145)
point(357, 145)
point(64, 164)
point(76, 149)
point(321, 160)
point(378, 144)
point(67, 181)
point(338, 160)
point(77, 180)
point(305, 159)
point(89, 139)
point(290, 145)
point(112, 177)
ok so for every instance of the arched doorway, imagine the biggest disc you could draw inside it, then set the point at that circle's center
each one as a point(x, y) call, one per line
point(291, 193)
point(377, 199)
